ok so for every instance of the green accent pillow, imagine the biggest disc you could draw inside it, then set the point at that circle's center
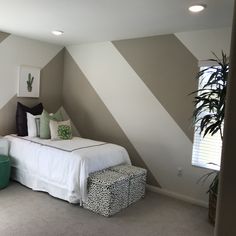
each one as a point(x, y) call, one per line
point(64, 132)
point(44, 123)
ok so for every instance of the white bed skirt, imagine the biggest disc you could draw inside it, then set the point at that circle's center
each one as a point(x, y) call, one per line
point(62, 167)
point(38, 184)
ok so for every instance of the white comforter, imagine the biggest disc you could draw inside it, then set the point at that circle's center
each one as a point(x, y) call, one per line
point(63, 164)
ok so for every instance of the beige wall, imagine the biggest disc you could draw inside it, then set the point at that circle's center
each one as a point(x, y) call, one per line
point(202, 43)
point(3, 35)
point(132, 81)
point(168, 69)
point(150, 117)
point(30, 52)
point(90, 115)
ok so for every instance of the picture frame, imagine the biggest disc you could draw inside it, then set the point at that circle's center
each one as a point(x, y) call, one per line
point(29, 81)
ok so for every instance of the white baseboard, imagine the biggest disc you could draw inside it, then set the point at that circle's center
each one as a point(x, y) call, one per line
point(177, 196)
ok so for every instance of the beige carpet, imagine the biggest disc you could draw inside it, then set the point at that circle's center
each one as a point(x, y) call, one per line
point(24, 212)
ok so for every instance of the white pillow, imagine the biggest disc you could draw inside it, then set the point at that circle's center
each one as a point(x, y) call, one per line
point(54, 125)
point(33, 125)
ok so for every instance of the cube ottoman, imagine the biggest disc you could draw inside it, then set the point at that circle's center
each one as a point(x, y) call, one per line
point(137, 181)
point(107, 192)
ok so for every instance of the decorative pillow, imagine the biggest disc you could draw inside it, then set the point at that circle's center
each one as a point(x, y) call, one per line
point(37, 121)
point(64, 132)
point(60, 129)
point(21, 118)
point(33, 125)
point(44, 123)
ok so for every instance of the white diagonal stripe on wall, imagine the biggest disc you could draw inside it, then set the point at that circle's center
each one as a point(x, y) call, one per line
point(202, 43)
point(159, 140)
point(16, 51)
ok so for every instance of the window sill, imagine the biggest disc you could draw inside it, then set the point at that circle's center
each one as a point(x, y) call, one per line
point(206, 166)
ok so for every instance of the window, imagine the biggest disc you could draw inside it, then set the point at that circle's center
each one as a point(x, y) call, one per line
point(208, 149)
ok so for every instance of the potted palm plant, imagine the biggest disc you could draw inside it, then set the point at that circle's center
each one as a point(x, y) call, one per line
point(209, 112)
point(213, 192)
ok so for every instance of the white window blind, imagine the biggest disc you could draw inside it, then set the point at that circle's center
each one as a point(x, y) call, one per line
point(206, 150)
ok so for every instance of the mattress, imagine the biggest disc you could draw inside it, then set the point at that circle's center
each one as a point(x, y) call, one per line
point(61, 167)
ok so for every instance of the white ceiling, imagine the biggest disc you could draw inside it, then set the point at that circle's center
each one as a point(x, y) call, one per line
point(105, 20)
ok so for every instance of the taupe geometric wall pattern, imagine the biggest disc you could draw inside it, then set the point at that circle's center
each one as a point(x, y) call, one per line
point(138, 97)
point(51, 79)
point(168, 69)
point(3, 35)
point(90, 115)
point(162, 69)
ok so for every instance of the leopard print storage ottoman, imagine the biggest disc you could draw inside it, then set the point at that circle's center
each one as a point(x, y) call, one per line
point(107, 192)
point(137, 180)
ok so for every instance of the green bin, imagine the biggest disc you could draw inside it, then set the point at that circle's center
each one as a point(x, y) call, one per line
point(5, 168)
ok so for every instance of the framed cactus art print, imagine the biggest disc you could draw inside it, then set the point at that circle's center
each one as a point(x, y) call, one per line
point(29, 82)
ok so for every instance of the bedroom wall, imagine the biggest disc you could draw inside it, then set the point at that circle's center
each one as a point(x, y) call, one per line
point(130, 92)
point(15, 51)
point(131, 85)
point(202, 43)
point(164, 64)
point(90, 115)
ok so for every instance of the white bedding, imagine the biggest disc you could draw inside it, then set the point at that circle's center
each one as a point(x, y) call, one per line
point(61, 168)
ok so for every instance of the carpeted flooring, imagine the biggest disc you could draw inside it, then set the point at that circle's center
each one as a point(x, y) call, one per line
point(24, 212)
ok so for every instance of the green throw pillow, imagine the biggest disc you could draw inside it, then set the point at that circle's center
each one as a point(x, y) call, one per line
point(44, 123)
point(64, 132)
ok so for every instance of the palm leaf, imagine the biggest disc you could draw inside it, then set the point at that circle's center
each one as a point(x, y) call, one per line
point(209, 101)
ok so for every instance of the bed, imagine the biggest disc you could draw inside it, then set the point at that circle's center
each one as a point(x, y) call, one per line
point(61, 168)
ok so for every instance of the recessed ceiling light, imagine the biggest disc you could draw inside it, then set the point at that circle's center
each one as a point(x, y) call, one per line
point(197, 8)
point(57, 32)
